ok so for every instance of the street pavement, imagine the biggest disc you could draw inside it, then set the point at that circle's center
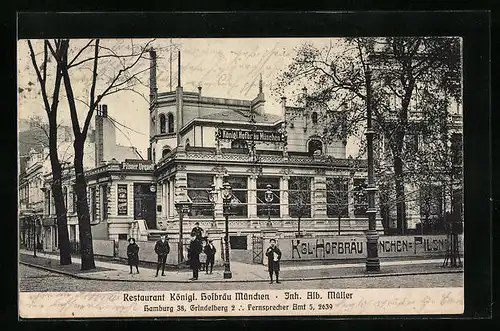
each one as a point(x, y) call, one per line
point(243, 272)
point(37, 280)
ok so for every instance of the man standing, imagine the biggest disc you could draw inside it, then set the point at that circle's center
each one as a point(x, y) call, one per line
point(273, 254)
point(210, 251)
point(194, 256)
point(162, 249)
point(197, 231)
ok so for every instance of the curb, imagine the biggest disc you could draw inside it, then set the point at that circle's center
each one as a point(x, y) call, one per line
point(375, 275)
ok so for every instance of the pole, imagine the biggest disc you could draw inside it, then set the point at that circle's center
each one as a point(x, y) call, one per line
point(34, 237)
point(372, 260)
point(180, 245)
point(227, 266)
point(171, 65)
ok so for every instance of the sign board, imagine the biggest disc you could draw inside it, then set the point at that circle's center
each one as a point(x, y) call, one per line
point(122, 199)
point(248, 135)
point(354, 247)
point(138, 166)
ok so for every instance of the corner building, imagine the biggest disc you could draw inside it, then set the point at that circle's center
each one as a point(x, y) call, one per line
point(197, 140)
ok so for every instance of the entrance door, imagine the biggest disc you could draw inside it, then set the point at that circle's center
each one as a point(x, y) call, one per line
point(145, 204)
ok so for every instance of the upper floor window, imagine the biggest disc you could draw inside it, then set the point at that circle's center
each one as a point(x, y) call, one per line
point(239, 143)
point(170, 119)
point(315, 147)
point(314, 117)
point(187, 144)
point(165, 151)
point(162, 123)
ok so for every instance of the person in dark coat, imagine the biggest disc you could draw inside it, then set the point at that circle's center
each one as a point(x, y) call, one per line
point(133, 255)
point(194, 256)
point(197, 231)
point(162, 249)
point(273, 254)
point(210, 252)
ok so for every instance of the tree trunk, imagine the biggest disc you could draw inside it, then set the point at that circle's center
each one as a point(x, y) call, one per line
point(82, 208)
point(62, 221)
point(400, 195)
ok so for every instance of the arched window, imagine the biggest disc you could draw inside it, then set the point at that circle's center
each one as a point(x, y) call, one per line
point(165, 151)
point(170, 119)
point(314, 117)
point(162, 123)
point(153, 125)
point(154, 155)
point(239, 144)
point(187, 145)
point(315, 147)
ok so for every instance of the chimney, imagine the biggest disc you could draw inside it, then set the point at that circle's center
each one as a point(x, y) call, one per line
point(199, 91)
point(104, 137)
point(152, 76)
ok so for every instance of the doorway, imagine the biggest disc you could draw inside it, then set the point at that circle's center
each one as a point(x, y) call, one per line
point(145, 204)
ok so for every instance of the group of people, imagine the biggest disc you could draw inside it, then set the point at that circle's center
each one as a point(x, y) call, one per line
point(201, 253)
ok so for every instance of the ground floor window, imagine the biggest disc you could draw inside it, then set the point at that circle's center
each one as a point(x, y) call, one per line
point(93, 204)
point(72, 233)
point(198, 186)
point(360, 197)
point(299, 196)
point(239, 203)
point(122, 236)
point(263, 207)
point(337, 197)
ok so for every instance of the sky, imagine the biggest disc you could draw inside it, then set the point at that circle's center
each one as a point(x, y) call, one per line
point(227, 68)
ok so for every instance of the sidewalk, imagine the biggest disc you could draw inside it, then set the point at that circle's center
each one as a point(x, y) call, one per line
point(241, 272)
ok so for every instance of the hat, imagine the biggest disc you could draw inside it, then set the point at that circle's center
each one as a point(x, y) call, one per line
point(197, 223)
point(210, 240)
point(272, 240)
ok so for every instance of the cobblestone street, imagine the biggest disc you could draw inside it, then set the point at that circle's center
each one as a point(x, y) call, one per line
point(36, 280)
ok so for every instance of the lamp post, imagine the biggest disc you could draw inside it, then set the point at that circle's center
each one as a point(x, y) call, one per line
point(372, 260)
point(212, 195)
point(182, 207)
point(227, 194)
point(269, 199)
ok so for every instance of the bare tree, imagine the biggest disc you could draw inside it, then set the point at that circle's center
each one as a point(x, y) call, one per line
point(51, 103)
point(113, 70)
point(410, 76)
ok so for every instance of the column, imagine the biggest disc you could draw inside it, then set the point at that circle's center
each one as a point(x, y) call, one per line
point(218, 181)
point(252, 197)
point(172, 191)
point(164, 202)
point(319, 197)
point(284, 209)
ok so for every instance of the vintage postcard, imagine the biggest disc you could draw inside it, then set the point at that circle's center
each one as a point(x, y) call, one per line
point(240, 177)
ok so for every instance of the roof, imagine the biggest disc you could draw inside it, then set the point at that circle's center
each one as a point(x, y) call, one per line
point(239, 116)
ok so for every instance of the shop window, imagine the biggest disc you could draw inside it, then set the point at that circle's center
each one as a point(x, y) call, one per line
point(315, 147)
point(170, 120)
point(299, 196)
point(198, 186)
point(360, 197)
point(314, 117)
point(264, 208)
point(162, 123)
point(239, 204)
point(337, 197)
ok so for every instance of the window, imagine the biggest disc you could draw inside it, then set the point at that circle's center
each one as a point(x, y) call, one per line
point(47, 202)
point(93, 202)
point(162, 123)
point(299, 196)
point(360, 197)
point(65, 195)
point(122, 236)
point(170, 122)
point(104, 202)
point(456, 149)
point(314, 117)
point(198, 187)
point(263, 208)
point(72, 233)
point(122, 199)
point(315, 147)
point(165, 151)
point(187, 145)
point(337, 197)
point(154, 155)
point(239, 185)
point(239, 144)
point(75, 199)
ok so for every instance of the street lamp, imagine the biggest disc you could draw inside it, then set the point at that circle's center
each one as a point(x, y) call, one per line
point(182, 207)
point(269, 198)
point(227, 194)
point(213, 195)
point(372, 260)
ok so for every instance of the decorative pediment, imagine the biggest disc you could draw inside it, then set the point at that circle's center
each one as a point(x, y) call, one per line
point(219, 169)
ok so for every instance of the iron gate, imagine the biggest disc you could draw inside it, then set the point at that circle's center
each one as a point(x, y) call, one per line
point(257, 249)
